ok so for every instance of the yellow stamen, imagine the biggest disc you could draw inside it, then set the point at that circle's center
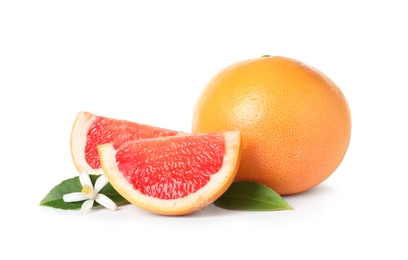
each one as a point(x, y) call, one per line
point(86, 189)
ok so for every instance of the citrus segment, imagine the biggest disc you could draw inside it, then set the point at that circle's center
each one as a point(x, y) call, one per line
point(295, 122)
point(90, 130)
point(173, 175)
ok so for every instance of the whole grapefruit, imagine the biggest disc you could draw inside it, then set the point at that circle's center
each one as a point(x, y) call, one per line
point(295, 121)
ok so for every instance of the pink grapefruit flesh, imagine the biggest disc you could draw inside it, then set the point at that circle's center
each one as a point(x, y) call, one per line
point(174, 175)
point(90, 130)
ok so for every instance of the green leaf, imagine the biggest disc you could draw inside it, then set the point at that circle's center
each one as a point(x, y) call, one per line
point(54, 197)
point(251, 196)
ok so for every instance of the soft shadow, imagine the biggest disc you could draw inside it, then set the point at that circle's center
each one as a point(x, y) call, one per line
point(320, 190)
point(311, 198)
point(209, 211)
point(212, 211)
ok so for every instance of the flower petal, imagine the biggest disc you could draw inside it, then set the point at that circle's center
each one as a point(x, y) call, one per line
point(85, 179)
point(74, 196)
point(101, 182)
point(105, 201)
point(87, 206)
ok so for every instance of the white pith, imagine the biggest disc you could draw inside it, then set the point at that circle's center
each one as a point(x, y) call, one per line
point(218, 183)
point(79, 134)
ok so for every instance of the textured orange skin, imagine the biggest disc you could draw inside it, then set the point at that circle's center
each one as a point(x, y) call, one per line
point(295, 122)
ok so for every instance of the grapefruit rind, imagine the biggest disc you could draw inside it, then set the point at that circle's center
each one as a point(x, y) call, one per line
point(218, 184)
point(79, 133)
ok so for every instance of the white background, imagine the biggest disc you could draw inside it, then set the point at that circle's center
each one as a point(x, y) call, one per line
point(148, 63)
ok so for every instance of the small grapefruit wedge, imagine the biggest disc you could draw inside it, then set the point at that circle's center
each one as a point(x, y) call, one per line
point(90, 130)
point(175, 175)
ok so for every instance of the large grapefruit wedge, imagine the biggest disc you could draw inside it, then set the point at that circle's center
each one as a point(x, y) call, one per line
point(90, 130)
point(174, 175)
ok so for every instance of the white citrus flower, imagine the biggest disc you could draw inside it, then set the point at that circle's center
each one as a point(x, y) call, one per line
point(89, 194)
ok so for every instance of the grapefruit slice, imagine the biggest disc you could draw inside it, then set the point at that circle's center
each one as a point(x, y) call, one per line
point(175, 175)
point(90, 130)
